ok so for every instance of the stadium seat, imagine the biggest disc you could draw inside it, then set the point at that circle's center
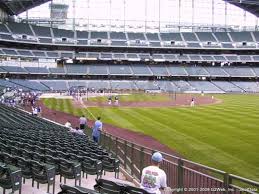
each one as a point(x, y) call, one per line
point(42, 149)
point(66, 189)
point(70, 170)
point(92, 167)
point(113, 187)
point(10, 178)
point(26, 168)
point(135, 190)
point(111, 165)
point(10, 159)
point(109, 187)
point(43, 174)
point(27, 154)
point(38, 157)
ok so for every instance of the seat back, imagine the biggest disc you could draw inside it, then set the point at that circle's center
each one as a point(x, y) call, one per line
point(65, 189)
point(37, 168)
point(108, 187)
point(71, 169)
point(38, 157)
point(135, 190)
point(110, 164)
point(10, 178)
point(92, 166)
point(8, 159)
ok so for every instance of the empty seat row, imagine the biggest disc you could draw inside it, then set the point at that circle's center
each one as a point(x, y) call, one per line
point(95, 85)
point(136, 69)
point(158, 57)
point(103, 186)
point(52, 33)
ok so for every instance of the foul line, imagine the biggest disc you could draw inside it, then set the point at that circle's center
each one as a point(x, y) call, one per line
point(85, 107)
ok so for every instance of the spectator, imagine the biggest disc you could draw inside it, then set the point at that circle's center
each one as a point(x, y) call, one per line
point(116, 100)
point(153, 178)
point(12, 103)
point(79, 131)
point(68, 124)
point(2, 99)
point(109, 100)
point(192, 102)
point(34, 111)
point(39, 111)
point(82, 122)
point(72, 130)
point(97, 130)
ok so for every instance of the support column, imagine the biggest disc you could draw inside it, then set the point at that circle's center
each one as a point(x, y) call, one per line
point(3, 15)
point(256, 23)
point(110, 16)
point(145, 15)
point(244, 20)
point(27, 16)
point(159, 15)
point(226, 14)
point(51, 7)
point(213, 13)
point(179, 16)
point(124, 12)
point(74, 16)
point(88, 16)
point(193, 12)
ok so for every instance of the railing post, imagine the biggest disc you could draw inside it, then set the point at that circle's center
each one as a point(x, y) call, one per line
point(141, 162)
point(116, 146)
point(180, 176)
point(103, 139)
point(226, 183)
point(109, 142)
point(229, 180)
point(131, 164)
point(125, 155)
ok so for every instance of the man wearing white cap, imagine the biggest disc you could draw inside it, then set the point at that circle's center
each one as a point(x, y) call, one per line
point(153, 178)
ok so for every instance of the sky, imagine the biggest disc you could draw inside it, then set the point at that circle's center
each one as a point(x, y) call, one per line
point(139, 15)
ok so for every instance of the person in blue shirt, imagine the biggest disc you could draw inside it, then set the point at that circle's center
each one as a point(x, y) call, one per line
point(97, 129)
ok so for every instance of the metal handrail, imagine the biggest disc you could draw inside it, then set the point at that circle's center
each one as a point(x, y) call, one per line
point(122, 141)
point(245, 180)
point(183, 170)
point(205, 167)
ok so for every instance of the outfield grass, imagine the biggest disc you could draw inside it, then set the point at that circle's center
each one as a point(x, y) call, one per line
point(224, 136)
point(134, 97)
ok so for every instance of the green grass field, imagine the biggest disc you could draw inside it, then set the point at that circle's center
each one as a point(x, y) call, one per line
point(134, 98)
point(224, 136)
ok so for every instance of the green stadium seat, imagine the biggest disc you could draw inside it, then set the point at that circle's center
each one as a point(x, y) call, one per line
point(43, 174)
point(92, 167)
point(109, 187)
point(65, 189)
point(10, 178)
point(111, 165)
point(70, 170)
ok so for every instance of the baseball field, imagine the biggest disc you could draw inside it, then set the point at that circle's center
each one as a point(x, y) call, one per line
point(222, 135)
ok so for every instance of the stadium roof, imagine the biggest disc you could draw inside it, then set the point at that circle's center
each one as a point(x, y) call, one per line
point(251, 6)
point(15, 7)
